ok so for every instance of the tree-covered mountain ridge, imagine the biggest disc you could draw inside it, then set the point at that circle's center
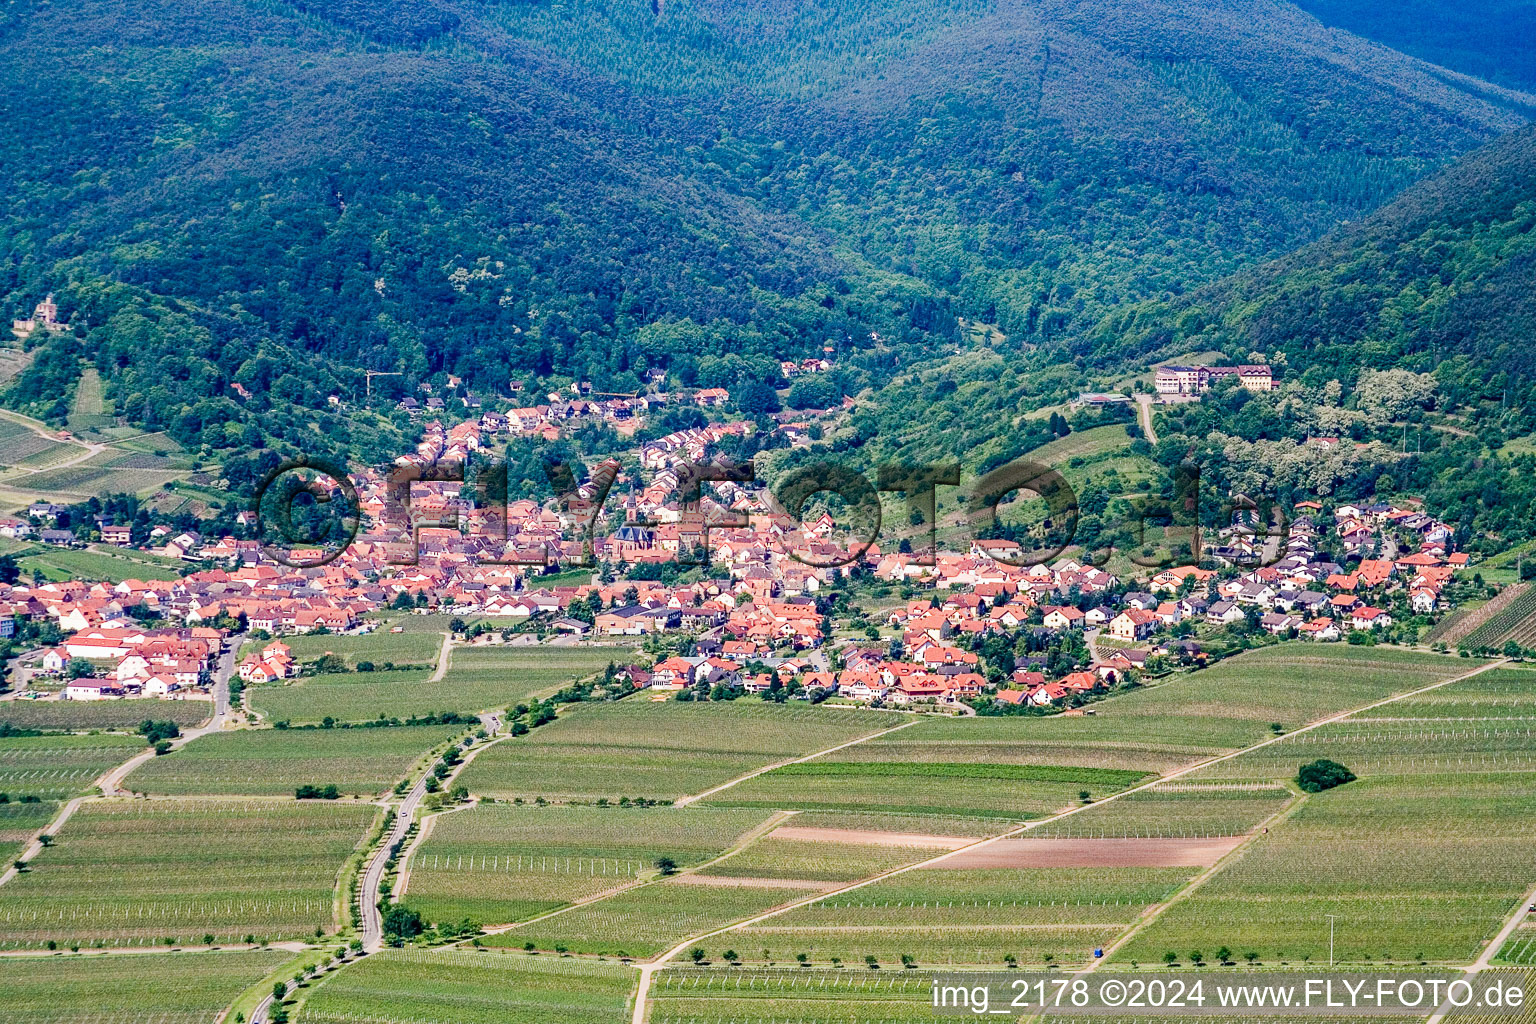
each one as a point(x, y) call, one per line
point(1438, 281)
point(281, 196)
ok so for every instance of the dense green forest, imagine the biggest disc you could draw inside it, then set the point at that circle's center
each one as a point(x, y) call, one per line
point(1491, 39)
point(281, 196)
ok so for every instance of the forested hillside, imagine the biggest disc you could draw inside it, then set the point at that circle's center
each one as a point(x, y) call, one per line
point(1406, 336)
point(1439, 281)
point(1491, 39)
point(280, 196)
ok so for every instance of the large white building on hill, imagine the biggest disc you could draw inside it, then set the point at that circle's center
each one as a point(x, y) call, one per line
point(1195, 380)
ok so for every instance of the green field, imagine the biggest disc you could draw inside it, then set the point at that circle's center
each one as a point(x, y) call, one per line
point(478, 679)
point(499, 863)
point(1175, 811)
point(410, 987)
point(967, 826)
point(163, 988)
point(1027, 767)
point(18, 823)
point(1478, 725)
point(272, 762)
point(1425, 868)
point(23, 447)
point(378, 647)
point(113, 470)
point(759, 995)
point(1188, 718)
point(646, 920)
point(1423, 857)
point(659, 750)
point(1081, 444)
point(137, 872)
point(1521, 947)
point(980, 796)
point(800, 859)
point(60, 766)
point(103, 564)
point(101, 714)
point(965, 916)
point(90, 409)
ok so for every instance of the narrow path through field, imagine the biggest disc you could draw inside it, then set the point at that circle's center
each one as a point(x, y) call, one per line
point(443, 658)
point(660, 962)
point(684, 801)
point(1144, 403)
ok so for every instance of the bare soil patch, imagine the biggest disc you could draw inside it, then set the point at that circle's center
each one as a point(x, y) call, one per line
point(1094, 853)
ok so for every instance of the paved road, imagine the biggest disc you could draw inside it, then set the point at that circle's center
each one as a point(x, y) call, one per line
point(373, 874)
point(221, 674)
point(405, 813)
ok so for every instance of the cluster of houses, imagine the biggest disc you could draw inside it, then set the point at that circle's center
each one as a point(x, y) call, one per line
point(124, 660)
point(560, 413)
point(271, 663)
point(424, 544)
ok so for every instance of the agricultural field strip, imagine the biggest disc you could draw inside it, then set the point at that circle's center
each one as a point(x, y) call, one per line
point(467, 988)
point(98, 895)
point(130, 987)
point(1512, 618)
point(271, 762)
point(682, 802)
point(1153, 913)
point(742, 843)
point(472, 679)
point(685, 801)
point(648, 969)
point(34, 846)
point(1493, 947)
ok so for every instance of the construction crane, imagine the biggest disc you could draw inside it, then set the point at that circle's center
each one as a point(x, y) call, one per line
point(370, 374)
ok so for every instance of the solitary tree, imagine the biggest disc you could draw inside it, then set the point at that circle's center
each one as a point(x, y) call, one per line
point(1170, 958)
point(697, 954)
point(1223, 955)
point(666, 865)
